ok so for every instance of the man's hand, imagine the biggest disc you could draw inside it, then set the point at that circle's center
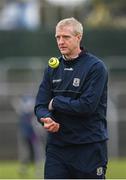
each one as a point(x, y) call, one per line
point(50, 125)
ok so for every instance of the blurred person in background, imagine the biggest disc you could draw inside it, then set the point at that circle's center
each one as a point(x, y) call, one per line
point(71, 104)
point(29, 136)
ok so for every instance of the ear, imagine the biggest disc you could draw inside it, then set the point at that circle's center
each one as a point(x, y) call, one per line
point(79, 37)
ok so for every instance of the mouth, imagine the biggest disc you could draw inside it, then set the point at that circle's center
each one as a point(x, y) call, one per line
point(62, 48)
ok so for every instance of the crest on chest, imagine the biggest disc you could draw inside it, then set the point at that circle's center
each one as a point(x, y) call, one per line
point(76, 82)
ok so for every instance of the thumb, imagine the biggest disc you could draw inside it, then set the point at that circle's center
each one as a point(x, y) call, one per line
point(46, 120)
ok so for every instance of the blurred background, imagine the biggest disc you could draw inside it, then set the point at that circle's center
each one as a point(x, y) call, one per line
point(27, 41)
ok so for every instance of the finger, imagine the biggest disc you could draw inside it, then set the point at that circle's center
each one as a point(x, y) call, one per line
point(57, 127)
point(54, 128)
point(46, 120)
point(48, 125)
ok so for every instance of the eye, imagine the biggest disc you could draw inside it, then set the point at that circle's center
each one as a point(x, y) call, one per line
point(66, 37)
point(57, 37)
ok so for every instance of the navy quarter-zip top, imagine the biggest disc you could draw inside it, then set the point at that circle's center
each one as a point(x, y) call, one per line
point(79, 91)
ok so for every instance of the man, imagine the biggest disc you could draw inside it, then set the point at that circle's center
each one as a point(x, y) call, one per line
point(71, 104)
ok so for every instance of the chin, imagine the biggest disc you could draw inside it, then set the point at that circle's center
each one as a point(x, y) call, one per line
point(64, 53)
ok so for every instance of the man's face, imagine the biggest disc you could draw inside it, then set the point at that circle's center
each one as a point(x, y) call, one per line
point(67, 41)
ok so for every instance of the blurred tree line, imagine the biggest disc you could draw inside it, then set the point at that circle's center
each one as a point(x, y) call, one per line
point(107, 13)
point(94, 13)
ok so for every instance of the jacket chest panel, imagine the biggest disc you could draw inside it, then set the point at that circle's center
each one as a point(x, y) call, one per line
point(68, 79)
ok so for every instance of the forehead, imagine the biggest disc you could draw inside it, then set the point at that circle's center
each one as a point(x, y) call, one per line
point(64, 30)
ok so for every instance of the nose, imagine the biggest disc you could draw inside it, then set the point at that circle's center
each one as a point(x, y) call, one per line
point(61, 40)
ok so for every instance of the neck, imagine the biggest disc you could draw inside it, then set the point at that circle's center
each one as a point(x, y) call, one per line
point(73, 56)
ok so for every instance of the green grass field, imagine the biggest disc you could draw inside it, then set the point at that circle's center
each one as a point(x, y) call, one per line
point(10, 170)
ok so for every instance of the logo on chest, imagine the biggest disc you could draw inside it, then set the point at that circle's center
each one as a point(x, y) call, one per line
point(76, 82)
point(56, 80)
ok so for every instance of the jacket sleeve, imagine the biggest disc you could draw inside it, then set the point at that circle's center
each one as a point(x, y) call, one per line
point(43, 97)
point(93, 89)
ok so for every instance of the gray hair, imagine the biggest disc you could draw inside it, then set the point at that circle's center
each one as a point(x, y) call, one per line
point(77, 26)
